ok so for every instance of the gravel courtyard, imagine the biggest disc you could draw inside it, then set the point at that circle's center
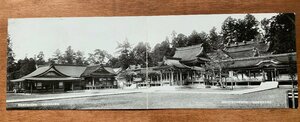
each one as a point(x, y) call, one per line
point(275, 98)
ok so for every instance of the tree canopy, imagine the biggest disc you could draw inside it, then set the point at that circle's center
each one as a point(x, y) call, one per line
point(239, 30)
point(279, 30)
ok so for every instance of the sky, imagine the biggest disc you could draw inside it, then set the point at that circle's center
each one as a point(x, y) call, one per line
point(29, 36)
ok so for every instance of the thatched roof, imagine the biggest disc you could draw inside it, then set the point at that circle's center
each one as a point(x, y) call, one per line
point(189, 53)
point(218, 55)
point(279, 59)
point(63, 72)
point(98, 70)
point(71, 70)
point(247, 49)
point(171, 63)
point(67, 72)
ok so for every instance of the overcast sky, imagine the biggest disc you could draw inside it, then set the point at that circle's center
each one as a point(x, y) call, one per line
point(31, 35)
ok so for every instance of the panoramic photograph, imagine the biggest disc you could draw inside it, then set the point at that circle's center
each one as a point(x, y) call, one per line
point(207, 61)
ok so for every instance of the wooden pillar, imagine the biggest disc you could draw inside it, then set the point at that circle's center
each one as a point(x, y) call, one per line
point(72, 86)
point(275, 75)
point(263, 73)
point(161, 78)
point(249, 77)
point(172, 80)
point(194, 77)
point(177, 78)
point(93, 87)
point(31, 86)
point(169, 76)
point(52, 86)
point(272, 75)
point(242, 75)
point(180, 75)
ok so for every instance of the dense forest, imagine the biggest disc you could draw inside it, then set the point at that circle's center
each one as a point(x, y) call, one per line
point(279, 30)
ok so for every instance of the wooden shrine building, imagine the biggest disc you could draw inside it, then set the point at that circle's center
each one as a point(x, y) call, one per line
point(61, 77)
point(184, 67)
point(98, 76)
point(252, 63)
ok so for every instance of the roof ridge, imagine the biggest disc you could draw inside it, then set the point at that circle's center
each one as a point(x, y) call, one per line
point(266, 56)
point(69, 65)
point(189, 47)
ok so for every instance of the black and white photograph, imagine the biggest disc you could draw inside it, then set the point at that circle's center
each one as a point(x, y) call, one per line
point(203, 61)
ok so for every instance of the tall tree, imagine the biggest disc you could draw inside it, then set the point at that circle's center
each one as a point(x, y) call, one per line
point(205, 41)
point(79, 58)
point(11, 68)
point(58, 57)
point(26, 66)
point(282, 33)
point(99, 57)
point(141, 53)
point(229, 30)
point(180, 40)
point(240, 30)
point(10, 53)
point(126, 55)
point(248, 28)
point(124, 47)
point(160, 50)
point(114, 62)
point(40, 59)
point(69, 55)
point(214, 39)
point(194, 39)
point(265, 26)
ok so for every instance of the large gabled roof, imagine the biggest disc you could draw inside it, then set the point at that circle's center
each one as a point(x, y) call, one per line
point(66, 71)
point(189, 53)
point(279, 59)
point(93, 69)
point(71, 70)
point(172, 63)
point(219, 55)
point(246, 49)
point(38, 71)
